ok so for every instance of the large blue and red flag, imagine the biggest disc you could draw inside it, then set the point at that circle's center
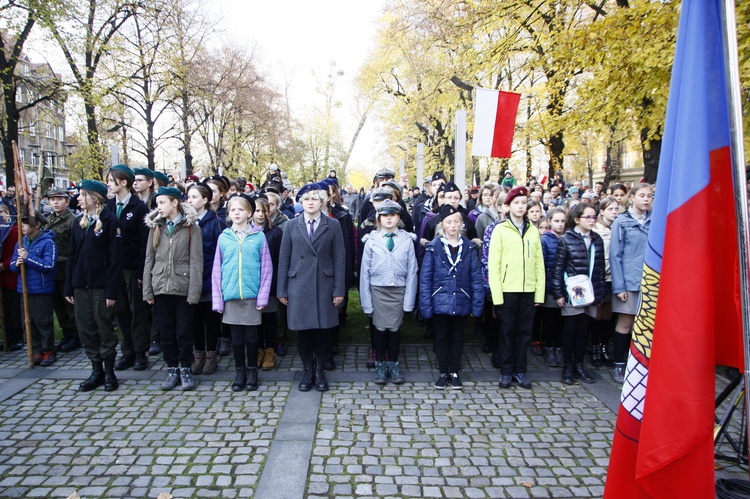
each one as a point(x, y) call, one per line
point(689, 318)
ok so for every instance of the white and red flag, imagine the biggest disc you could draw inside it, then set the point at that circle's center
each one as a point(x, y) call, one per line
point(494, 122)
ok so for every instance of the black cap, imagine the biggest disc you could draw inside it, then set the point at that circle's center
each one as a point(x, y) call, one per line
point(451, 187)
point(438, 176)
point(447, 210)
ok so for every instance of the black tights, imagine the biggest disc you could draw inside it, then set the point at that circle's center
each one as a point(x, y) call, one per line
point(318, 341)
point(574, 336)
point(552, 324)
point(206, 327)
point(621, 347)
point(268, 330)
point(387, 340)
point(245, 338)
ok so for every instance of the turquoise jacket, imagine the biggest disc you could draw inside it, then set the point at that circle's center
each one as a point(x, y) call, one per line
point(242, 268)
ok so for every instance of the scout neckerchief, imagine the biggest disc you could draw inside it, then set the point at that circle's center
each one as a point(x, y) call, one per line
point(447, 247)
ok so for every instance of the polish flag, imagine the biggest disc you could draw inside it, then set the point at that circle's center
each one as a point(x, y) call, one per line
point(494, 122)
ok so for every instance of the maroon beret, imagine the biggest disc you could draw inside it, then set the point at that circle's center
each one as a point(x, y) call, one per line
point(515, 192)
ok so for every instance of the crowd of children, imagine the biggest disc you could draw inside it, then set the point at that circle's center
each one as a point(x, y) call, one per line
point(201, 269)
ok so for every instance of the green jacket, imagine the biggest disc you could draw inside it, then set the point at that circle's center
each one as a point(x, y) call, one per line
point(61, 226)
point(175, 266)
point(515, 263)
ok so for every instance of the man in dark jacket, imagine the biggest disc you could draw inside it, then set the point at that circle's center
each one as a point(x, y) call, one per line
point(61, 223)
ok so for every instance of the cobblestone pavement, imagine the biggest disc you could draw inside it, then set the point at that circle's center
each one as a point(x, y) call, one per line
point(357, 440)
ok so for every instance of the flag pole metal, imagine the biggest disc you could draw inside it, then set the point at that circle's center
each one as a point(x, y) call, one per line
point(739, 175)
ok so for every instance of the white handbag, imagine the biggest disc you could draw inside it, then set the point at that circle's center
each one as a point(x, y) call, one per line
point(579, 287)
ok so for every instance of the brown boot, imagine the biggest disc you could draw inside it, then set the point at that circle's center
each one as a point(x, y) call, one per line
point(199, 360)
point(212, 361)
point(260, 356)
point(269, 359)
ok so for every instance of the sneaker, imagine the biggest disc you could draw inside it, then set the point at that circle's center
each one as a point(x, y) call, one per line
point(38, 358)
point(381, 372)
point(394, 371)
point(48, 358)
point(155, 348)
point(173, 379)
point(280, 350)
point(536, 348)
point(505, 381)
point(522, 380)
point(456, 382)
point(618, 372)
point(186, 379)
point(442, 381)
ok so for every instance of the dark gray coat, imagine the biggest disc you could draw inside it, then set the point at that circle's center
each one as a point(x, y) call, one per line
point(311, 273)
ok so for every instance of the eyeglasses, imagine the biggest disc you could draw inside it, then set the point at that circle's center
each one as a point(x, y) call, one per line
point(589, 217)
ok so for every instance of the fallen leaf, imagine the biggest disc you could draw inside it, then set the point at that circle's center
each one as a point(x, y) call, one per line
point(449, 414)
point(74, 495)
point(528, 485)
point(164, 495)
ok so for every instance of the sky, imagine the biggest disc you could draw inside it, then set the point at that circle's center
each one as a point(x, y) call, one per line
point(297, 37)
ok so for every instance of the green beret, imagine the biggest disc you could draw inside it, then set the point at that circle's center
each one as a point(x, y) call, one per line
point(161, 177)
point(146, 172)
point(169, 191)
point(94, 186)
point(124, 169)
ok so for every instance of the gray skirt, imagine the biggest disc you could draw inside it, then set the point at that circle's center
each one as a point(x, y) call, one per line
point(387, 307)
point(626, 307)
point(241, 313)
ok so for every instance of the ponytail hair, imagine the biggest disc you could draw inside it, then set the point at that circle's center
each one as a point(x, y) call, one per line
point(99, 200)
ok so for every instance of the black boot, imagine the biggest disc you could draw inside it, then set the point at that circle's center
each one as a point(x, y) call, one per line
point(252, 379)
point(110, 380)
point(567, 374)
point(125, 362)
point(307, 375)
point(320, 377)
point(239, 380)
point(549, 357)
point(581, 373)
point(141, 361)
point(95, 380)
point(596, 355)
point(607, 359)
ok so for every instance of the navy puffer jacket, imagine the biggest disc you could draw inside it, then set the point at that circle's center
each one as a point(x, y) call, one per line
point(457, 293)
point(572, 258)
point(549, 250)
point(40, 264)
point(211, 227)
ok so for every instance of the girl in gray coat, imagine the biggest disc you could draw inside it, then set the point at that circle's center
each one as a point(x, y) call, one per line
point(311, 281)
point(388, 287)
point(173, 280)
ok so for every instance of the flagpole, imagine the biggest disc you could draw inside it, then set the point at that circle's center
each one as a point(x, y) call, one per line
point(739, 175)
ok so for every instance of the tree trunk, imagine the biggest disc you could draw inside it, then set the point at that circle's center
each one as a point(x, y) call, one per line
point(651, 152)
point(92, 127)
point(556, 148)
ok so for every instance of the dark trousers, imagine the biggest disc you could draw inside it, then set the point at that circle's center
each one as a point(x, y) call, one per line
point(65, 312)
point(389, 341)
point(268, 331)
point(516, 319)
point(318, 341)
point(552, 324)
point(131, 314)
point(13, 321)
point(42, 322)
point(95, 324)
point(574, 335)
point(245, 339)
point(449, 341)
point(206, 327)
point(153, 324)
point(174, 317)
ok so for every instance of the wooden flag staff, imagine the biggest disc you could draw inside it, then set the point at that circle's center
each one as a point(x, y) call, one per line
point(19, 172)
